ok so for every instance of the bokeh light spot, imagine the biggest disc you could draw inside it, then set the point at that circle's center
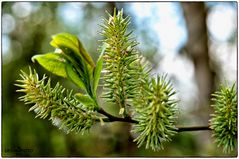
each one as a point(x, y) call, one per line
point(8, 23)
point(22, 9)
point(221, 22)
point(5, 44)
point(71, 13)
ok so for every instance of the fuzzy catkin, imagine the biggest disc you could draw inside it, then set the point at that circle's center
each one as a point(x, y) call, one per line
point(224, 120)
point(156, 115)
point(119, 61)
point(56, 103)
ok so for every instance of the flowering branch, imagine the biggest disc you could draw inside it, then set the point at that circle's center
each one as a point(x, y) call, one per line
point(145, 101)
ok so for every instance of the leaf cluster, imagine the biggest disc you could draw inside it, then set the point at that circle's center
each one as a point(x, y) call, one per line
point(72, 61)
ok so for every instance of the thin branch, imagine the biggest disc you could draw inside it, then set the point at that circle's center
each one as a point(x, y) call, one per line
point(193, 128)
point(111, 118)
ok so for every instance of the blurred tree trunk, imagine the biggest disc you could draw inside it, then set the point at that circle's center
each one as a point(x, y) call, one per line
point(110, 6)
point(197, 48)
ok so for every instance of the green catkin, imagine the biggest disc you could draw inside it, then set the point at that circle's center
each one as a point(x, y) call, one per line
point(57, 104)
point(156, 115)
point(127, 82)
point(224, 120)
point(119, 61)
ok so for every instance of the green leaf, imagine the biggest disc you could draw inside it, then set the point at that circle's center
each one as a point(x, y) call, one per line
point(66, 41)
point(84, 99)
point(52, 62)
point(98, 68)
point(74, 77)
point(85, 54)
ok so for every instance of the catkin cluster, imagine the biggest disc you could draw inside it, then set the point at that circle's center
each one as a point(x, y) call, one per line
point(128, 83)
point(144, 100)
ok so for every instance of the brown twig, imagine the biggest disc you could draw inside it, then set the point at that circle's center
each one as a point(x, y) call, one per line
point(111, 118)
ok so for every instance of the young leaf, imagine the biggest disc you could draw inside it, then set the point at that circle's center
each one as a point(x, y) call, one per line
point(67, 41)
point(74, 77)
point(84, 99)
point(52, 62)
point(98, 68)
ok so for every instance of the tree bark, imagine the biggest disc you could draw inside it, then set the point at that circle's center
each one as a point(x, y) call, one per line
point(197, 48)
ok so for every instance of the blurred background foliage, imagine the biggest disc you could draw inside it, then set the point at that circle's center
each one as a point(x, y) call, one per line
point(194, 43)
